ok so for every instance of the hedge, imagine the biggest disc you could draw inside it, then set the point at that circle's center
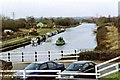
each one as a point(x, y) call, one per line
point(98, 55)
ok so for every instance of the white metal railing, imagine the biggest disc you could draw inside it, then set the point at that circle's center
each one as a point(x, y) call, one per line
point(24, 75)
point(100, 70)
point(38, 55)
point(98, 73)
point(57, 75)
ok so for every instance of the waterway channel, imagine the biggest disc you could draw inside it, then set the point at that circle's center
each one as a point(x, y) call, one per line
point(80, 37)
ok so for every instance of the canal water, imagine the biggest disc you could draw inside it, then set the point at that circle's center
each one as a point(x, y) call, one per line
point(80, 37)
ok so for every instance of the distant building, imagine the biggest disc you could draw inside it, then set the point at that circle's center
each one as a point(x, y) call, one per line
point(119, 8)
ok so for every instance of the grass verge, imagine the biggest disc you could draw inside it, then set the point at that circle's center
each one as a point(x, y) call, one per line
point(114, 76)
point(19, 40)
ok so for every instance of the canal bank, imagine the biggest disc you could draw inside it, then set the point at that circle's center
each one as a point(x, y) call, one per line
point(14, 46)
point(27, 40)
point(80, 37)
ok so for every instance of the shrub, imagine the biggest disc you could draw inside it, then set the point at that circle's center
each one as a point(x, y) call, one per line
point(95, 55)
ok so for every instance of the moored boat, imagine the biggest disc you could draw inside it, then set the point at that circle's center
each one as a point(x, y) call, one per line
point(34, 40)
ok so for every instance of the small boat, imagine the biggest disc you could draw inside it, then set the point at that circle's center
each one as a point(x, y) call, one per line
point(62, 30)
point(34, 40)
point(60, 41)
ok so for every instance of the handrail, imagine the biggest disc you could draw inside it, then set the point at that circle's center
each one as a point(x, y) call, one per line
point(116, 65)
point(51, 51)
point(108, 73)
point(58, 75)
point(9, 56)
point(73, 73)
point(108, 67)
point(108, 61)
point(30, 70)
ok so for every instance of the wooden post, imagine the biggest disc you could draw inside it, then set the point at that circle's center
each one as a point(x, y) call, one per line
point(35, 56)
point(8, 56)
point(22, 57)
point(49, 55)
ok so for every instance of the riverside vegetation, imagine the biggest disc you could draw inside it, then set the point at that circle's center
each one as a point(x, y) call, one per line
point(107, 38)
point(23, 29)
point(108, 33)
point(108, 43)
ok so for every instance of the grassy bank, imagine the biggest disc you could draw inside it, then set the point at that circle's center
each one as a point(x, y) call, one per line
point(19, 40)
point(15, 41)
point(44, 31)
point(114, 76)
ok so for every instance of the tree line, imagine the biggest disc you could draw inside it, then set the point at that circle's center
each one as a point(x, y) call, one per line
point(104, 21)
point(30, 22)
point(108, 21)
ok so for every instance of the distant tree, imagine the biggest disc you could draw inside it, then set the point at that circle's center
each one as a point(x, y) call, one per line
point(117, 23)
point(65, 21)
point(91, 20)
point(8, 23)
point(105, 21)
point(21, 23)
point(31, 21)
point(101, 20)
point(48, 22)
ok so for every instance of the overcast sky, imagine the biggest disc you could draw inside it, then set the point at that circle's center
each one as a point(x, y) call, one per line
point(69, 8)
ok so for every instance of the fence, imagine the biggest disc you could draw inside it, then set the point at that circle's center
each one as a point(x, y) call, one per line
point(99, 69)
point(39, 55)
point(56, 76)
point(107, 68)
point(102, 69)
point(24, 75)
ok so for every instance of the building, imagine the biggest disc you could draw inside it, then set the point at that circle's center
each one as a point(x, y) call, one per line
point(119, 8)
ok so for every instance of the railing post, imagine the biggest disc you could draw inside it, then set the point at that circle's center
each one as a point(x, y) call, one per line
point(59, 75)
point(49, 55)
point(117, 67)
point(76, 55)
point(35, 56)
point(96, 71)
point(8, 56)
point(24, 74)
point(62, 53)
point(22, 57)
